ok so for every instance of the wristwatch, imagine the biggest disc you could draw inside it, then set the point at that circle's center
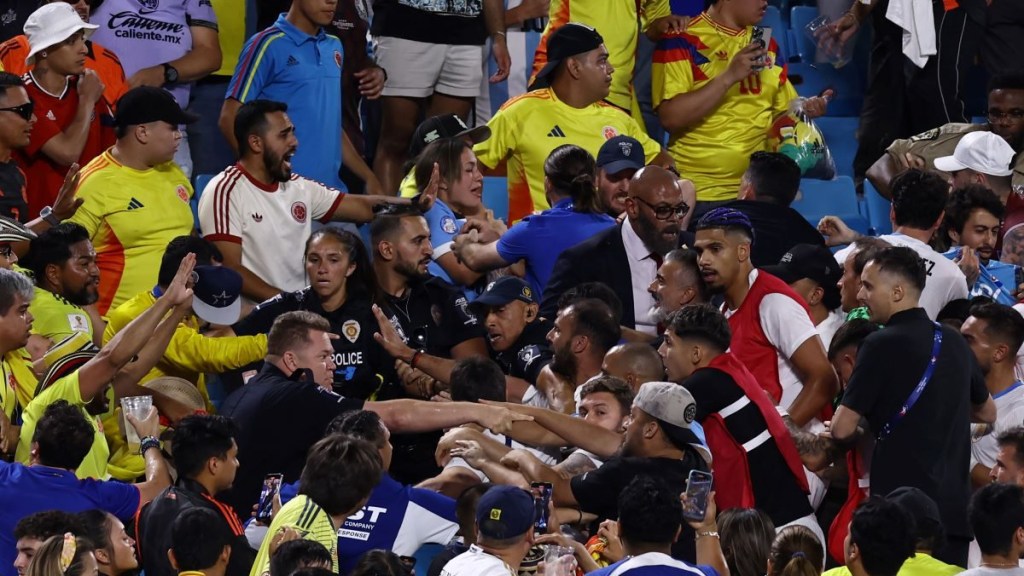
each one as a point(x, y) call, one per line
point(170, 74)
point(47, 214)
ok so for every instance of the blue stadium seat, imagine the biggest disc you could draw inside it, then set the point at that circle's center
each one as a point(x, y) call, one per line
point(780, 31)
point(836, 197)
point(840, 134)
point(200, 184)
point(803, 48)
point(847, 83)
point(878, 210)
point(496, 196)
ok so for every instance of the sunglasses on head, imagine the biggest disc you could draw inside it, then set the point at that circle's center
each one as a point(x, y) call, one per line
point(25, 110)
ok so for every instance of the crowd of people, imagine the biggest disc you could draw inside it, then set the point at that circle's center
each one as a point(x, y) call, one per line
point(256, 317)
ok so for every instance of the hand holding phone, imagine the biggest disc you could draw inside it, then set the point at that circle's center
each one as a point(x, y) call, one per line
point(271, 488)
point(541, 501)
point(695, 504)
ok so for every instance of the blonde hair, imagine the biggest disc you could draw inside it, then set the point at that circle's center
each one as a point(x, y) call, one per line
point(46, 562)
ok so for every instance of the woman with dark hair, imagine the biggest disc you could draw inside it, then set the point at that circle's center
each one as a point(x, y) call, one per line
point(449, 165)
point(383, 563)
point(796, 551)
point(747, 535)
point(114, 549)
point(538, 240)
point(342, 288)
point(64, 555)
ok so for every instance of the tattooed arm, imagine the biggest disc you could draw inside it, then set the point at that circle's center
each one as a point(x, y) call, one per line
point(577, 463)
point(816, 451)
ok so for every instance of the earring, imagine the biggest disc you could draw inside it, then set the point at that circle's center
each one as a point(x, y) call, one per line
point(43, 54)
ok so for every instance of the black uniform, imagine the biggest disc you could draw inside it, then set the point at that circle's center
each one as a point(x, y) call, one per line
point(530, 353)
point(930, 447)
point(433, 316)
point(362, 368)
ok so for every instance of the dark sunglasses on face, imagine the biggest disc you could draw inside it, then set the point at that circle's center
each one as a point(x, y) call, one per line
point(25, 110)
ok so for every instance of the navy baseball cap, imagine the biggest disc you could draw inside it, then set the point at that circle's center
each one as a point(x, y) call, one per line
point(571, 39)
point(504, 512)
point(620, 153)
point(217, 294)
point(501, 292)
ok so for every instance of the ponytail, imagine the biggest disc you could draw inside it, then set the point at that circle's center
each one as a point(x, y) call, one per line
point(571, 171)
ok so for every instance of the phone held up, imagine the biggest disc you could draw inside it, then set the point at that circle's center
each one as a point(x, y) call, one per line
point(698, 487)
point(541, 499)
point(271, 488)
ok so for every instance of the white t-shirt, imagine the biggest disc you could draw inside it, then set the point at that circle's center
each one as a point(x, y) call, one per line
point(787, 326)
point(476, 562)
point(993, 572)
point(272, 223)
point(1009, 413)
point(945, 281)
point(828, 327)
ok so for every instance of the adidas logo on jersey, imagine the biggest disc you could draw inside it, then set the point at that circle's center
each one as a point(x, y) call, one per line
point(257, 216)
point(556, 132)
point(50, 116)
point(134, 204)
point(292, 61)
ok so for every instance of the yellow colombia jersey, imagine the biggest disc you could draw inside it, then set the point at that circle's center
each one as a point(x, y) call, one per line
point(67, 388)
point(716, 151)
point(309, 519)
point(527, 128)
point(131, 216)
point(616, 22)
point(189, 355)
point(19, 383)
point(55, 318)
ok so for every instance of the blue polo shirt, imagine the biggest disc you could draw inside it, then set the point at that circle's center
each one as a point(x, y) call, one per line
point(541, 238)
point(25, 490)
point(996, 280)
point(285, 64)
point(397, 517)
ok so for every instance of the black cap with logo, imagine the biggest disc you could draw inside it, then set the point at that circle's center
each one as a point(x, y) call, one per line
point(445, 126)
point(571, 39)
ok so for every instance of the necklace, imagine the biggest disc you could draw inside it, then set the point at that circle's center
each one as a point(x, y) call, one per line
point(404, 300)
point(729, 42)
point(998, 565)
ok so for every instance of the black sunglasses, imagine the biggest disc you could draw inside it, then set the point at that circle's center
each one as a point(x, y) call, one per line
point(25, 110)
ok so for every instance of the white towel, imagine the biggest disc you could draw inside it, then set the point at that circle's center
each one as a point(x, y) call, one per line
point(918, 24)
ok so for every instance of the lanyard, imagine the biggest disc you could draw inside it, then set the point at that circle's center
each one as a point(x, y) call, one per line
point(921, 385)
point(1016, 385)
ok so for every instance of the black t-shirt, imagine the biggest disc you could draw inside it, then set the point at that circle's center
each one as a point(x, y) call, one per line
point(776, 230)
point(1004, 27)
point(362, 367)
point(433, 316)
point(930, 448)
point(597, 491)
point(12, 192)
point(13, 14)
point(530, 353)
point(776, 492)
point(435, 22)
point(279, 417)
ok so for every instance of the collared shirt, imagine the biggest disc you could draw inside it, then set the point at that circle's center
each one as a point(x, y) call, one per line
point(642, 270)
point(540, 239)
point(285, 64)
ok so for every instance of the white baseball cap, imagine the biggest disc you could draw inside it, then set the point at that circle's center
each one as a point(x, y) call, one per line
point(983, 152)
point(52, 24)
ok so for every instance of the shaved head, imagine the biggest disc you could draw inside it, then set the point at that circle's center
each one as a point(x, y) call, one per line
point(634, 362)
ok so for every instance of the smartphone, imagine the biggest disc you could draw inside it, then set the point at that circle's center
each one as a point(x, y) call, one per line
point(698, 486)
point(541, 500)
point(271, 488)
point(762, 36)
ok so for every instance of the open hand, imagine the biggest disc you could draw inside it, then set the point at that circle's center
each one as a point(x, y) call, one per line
point(67, 202)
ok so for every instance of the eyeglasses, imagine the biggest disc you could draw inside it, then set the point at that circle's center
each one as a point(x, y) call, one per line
point(6, 251)
point(25, 110)
point(663, 212)
point(997, 115)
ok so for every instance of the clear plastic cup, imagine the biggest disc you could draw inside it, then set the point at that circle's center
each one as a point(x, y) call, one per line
point(559, 561)
point(829, 49)
point(137, 406)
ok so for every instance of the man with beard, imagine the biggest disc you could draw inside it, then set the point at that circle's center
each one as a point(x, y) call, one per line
point(659, 441)
point(677, 283)
point(81, 379)
point(63, 264)
point(582, 334)
point(258, 213)
point(626, 257)
point(974, 215)
point(773, 334)
point(425, 323)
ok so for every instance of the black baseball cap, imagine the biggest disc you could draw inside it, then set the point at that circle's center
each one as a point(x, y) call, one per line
point(501, 292)
point(813, 261)
point(620, 153)
point(571, 39)
point(444, 126)
point(150, 104)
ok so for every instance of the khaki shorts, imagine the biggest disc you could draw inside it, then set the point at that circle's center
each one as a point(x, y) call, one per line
point(418, 69)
